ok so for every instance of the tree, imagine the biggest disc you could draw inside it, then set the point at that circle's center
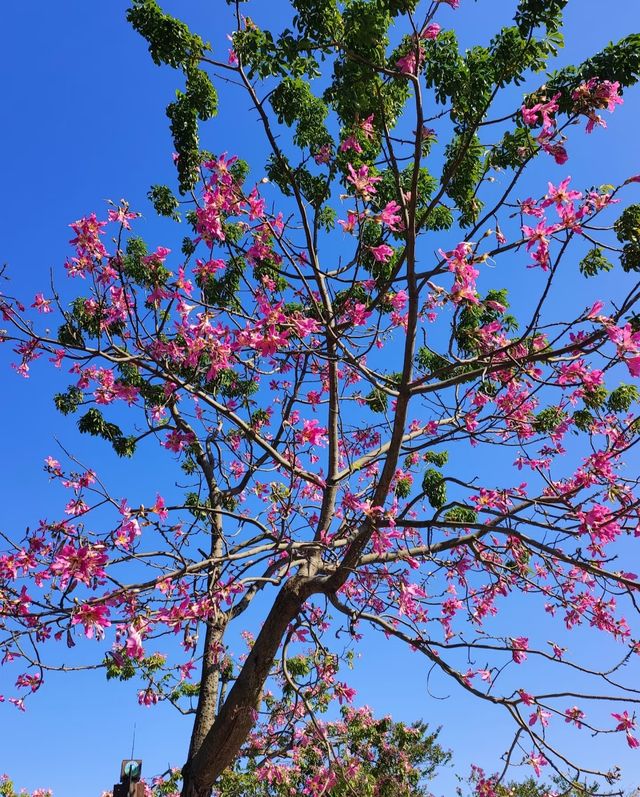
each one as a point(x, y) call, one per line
point(333, 389)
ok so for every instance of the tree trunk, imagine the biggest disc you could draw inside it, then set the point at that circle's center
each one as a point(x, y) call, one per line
point(221, 745)
point(209, 687)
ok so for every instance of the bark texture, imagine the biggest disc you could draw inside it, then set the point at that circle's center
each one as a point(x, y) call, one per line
point(222, 743)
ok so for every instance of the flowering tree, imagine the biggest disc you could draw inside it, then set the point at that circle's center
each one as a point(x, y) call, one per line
point(7, 789)
point(332, 362)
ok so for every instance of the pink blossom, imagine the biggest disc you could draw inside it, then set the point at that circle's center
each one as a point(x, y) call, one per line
point(625, 722)
point(537, 761)
point(94, 618)
point(41, 304)
point(431, 31)
point(574, 715)
point(352, 220)
point(520, 645)
point(312, 433)
point(390, 216)
point(399, 300)
point(362, 181)
point(633, 364)
point(323, 155)
point(407, 63)
point(122, 215)
point(366, 126)
point(381, 253)
point(350, 143)
point(133, 645)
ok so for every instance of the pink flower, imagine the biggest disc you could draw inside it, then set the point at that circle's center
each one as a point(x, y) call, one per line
point(344, 692)
point(561, 194)
point(381, 253)
point(633, 364)
point(350, 143)
point(312, 433)
point(82, 563)
point(539, 714)
point(94, 618)
point(352, 220)
point(595, 309)
point(358, 314)
point(147, 697)
point(367, 127)
point(625, 722)
point(133, 645)
point(390, 216)
point(256, 206)
point(431, 31)
point(407, 63)
point(574, 715)
point(362, 181)
point(323, 155)
point(122, 215)
point(399, 300)
point(542, 111)
point(526, 698)
point(160, 508)
point(520, 645)
point(41, 304)
point(537, 761)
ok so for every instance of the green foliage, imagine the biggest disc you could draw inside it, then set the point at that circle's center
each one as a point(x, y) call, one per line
point(390, 760)
point(594, 262)
point(120, 667)
point(377, 400)
point(68, 402)
point(533, 13)
point(232, 385)
point(549, 419)
point(628, 231)
point(508, 153)
point(69, 334)
point(164, 202)
point(583, 420)
point(437, 458)
point(93, 423)
point(430, 361)
point(222, 291)
point(321, 22)
point(294, 102)
point(619, 61)
point(595, 397)
point(172, 42)
point(435, 488)
point(463, 170)
point(621, 399)
point(197, 507)
point(137, 266)
point(183, 116)
point(357, 91)
point(461, 514)
point(7, 789)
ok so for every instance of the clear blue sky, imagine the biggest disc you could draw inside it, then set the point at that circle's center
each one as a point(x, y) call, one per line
point(82, 121)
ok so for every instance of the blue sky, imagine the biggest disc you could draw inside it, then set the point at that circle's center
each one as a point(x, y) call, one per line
point(82, 121)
